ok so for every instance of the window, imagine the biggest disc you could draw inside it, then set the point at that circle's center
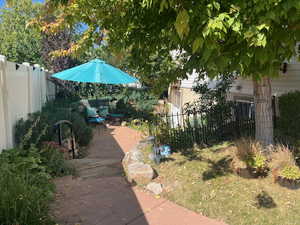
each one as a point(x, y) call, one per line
point(244, 110)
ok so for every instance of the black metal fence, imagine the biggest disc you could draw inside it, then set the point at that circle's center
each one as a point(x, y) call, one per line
point(184, 130)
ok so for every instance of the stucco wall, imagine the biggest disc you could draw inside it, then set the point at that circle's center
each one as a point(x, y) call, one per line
point(188, 96)
point(23, 90)
point(178, 97)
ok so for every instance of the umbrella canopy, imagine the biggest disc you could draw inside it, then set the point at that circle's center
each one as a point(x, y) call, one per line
point(96, 71)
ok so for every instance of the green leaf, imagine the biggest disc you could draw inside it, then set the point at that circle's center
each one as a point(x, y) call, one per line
point(263, 26)
point(163, 5)
point(206, 54)
point(261, 41)
point(230, 21)
point(262, 56)
point(216, 5)
point(197, 44)
point(182, 23)
point(237, 26)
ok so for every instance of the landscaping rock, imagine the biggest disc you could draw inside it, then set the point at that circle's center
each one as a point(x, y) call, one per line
point(132, 157)
point(140, 173)
point(124, 124)
point(154, 187)
point(141, 146)
point(151, 156)
point(136, 155)
point(148, 140)
point(136, 170)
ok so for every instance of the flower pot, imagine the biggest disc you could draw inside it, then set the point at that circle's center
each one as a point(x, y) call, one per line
point(288, 183)
point(256, 173)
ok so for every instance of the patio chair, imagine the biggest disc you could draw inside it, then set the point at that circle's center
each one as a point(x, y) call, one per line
point(93, 116)
point(104, 111)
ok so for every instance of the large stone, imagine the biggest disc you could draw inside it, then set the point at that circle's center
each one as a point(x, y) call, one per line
point(140, 173)
point(132, 157)
point(155, 188)
point(136, 155)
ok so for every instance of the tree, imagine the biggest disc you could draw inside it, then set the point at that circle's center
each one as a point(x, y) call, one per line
point(18, 42)
point(251, 38)
point(212, 97)
point(52, 42)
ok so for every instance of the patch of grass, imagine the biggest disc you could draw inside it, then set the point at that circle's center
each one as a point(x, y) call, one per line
point(206, 184)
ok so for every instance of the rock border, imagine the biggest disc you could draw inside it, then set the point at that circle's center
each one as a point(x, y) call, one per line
point(136, 170)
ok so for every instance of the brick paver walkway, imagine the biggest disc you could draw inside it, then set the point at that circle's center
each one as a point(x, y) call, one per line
point(101, 195)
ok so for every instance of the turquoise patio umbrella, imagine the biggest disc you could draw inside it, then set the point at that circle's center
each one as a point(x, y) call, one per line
point(95, 71)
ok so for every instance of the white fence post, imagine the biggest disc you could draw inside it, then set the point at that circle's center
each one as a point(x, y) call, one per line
point(28, 86)
point(6, 135)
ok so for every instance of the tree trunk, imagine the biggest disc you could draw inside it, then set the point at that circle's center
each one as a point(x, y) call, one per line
point(263, 111)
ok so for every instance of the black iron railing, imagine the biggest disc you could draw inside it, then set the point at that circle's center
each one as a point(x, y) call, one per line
point(58, 128)
point(184, 130)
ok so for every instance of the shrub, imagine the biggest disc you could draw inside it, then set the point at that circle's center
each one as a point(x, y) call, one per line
point(53, 159)
point(34, 130)
point(288, 124)
point(26, 189)
point(83, 132)
point(135, 103)
point(38, 128)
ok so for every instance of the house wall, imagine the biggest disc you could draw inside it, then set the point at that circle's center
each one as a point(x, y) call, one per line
point(182, 93)
point(286, 82)
point(178, 97)
point(188, 96)
point(23, 90)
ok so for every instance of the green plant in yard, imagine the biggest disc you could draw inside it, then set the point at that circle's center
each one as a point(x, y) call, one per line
point(290, 172)
point(53, 160)
point(83, 132)
point(212, 101)
point(162, 131)
point(288, 123)
point(38, 128)
point(136, 103)
point(251, 154)
point(283, 164)
point(26, 189)
point(26, 186)
point(141, 125)
point(257, 161)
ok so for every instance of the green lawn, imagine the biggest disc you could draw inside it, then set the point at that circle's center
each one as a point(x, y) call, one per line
point(201, 180)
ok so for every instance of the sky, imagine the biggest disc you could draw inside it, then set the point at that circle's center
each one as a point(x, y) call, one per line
point(3, 1)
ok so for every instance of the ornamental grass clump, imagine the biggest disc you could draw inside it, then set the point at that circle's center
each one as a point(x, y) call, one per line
point(283, 165)
point(250, 156)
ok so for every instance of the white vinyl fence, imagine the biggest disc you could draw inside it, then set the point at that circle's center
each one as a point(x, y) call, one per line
point(24, 89)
